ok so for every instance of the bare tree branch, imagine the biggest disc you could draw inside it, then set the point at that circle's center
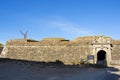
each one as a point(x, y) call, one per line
point(24, 34)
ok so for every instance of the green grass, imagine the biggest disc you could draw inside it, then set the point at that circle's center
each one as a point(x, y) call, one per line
point(53, 39)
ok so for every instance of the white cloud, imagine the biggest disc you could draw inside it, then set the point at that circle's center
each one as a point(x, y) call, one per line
point(70, 28)
point(65, 28)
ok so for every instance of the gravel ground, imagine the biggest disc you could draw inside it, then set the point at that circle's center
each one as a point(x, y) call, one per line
point(17, 70)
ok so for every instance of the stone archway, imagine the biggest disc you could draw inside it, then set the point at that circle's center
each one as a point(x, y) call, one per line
point(101, 57)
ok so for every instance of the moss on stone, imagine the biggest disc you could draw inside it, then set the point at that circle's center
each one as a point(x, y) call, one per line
point(54, 39)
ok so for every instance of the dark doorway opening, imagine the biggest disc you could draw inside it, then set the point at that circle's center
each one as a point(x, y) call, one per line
point(101, 57)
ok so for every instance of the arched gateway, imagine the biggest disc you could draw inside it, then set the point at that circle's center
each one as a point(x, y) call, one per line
point(101, 58)
point(101, 55)
point(102, 50)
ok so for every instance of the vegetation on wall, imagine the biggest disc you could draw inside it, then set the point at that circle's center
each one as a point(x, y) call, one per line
point(1, 44)
point(53, 39)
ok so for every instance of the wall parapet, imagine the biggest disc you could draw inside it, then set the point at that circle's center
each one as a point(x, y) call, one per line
point(47, 43)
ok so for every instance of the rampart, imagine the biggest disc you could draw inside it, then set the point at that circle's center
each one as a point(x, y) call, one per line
point(68, 52)
point(115, 52)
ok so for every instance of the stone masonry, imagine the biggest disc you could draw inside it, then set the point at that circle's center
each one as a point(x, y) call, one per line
point(68, 52)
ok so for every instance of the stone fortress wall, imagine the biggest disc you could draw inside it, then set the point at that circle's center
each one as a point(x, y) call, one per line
point(1, 48)
point(68, 52)
point(115, 52)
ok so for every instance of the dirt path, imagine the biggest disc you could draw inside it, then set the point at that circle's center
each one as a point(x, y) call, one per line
point(19, 71)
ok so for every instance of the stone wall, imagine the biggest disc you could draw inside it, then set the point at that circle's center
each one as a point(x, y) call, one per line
point(1, 48)
point(67, 52)
point(115, 54)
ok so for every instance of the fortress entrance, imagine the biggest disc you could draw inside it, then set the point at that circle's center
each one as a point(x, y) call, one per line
point(101, 57)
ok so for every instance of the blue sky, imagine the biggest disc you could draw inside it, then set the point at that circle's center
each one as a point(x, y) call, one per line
point(59, 18)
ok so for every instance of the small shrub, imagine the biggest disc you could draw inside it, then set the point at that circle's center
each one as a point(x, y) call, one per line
point(84, 61)
point(1, 44)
